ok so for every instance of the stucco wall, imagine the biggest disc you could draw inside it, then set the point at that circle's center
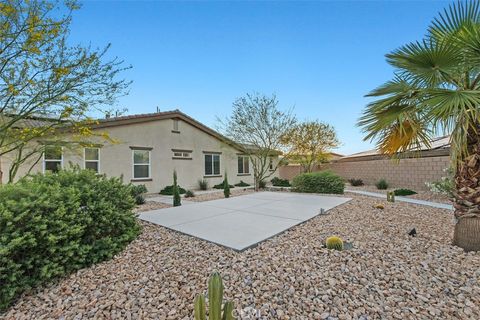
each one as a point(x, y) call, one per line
point(407, 173)
point(116, 159)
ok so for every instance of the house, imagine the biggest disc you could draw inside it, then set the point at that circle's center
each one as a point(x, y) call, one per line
point(147, 148)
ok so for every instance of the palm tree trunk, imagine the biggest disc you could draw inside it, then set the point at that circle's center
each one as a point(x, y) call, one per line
point(467, 197)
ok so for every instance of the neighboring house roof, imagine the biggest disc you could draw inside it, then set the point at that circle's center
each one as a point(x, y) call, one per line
point(173, 114)
point(438, 146)
point(30, 122)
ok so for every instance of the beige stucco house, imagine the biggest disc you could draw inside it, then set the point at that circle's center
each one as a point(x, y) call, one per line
point(149, 147)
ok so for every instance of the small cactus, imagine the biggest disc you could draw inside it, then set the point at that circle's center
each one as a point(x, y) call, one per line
point(335, 243)
point(215, 298)
point(226, 186)
point(391, 196)
point(379, 206)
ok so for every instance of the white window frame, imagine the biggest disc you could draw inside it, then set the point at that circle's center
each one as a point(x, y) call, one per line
point(243, 165)
point(182, 154)
point(85, 158)
point(149, 164)
point(213, 166)
point(56, 160)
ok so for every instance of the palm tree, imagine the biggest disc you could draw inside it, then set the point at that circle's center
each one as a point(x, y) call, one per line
point(436, 89)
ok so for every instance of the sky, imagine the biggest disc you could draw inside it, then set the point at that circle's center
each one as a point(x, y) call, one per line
point(319, 58)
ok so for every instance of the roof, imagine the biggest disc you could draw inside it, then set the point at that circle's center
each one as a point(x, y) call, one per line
point(437, 144)
point(29, 122)
point(173, 114)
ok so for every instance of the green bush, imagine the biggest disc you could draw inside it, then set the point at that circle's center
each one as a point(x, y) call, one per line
point(168, 190)
point(242, 184)
point(356, 182)
point(137, 192)
point(445, 186)
point(262, 184)
point(189, 194)
point(403, 192)
point(202, 184)
point(177, 201)
point(226, 187)
point(318, 182)
point(221, 185)
point(277, 182)
point(54, 224)
point(382, 184)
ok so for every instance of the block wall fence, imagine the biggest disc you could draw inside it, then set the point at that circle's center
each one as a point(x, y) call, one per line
point(407, 173)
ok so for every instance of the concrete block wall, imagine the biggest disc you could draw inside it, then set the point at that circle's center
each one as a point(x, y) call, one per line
point(407, 173)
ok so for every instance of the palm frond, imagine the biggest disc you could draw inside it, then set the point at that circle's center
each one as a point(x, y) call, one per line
point(454, 19)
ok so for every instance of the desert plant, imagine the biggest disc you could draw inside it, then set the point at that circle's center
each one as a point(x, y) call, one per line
point(242, 184)
point(54, 224)
point(215, 299)
point(445, 185)
point(221, 185)
point(390, 196)
point(318, 182)
point(379, 206)
point(356, 182)
point(226, 187)
point(277, 182)
point(176, 193)
point(403, 192)
point(137, 192)
point(262, 184)
point(189, 194)
point(381, 184)
point(202, 184)
point(168, 190)
point(335, 243)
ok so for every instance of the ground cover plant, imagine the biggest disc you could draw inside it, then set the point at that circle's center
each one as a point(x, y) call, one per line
point(242, 184)
point(403, 192)
point(318, 182)
point(168, 190)
point(277, 182)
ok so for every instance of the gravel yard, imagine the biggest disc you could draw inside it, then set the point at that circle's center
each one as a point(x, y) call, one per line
point(421, 195)
point(387, 274)
point(234, 192)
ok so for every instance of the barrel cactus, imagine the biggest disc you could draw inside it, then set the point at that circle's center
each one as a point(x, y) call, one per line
point(215, 298)
point(335, 243)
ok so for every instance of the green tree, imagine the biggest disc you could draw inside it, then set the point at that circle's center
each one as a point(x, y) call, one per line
point(176, 192)
point(259, 125)
point(436, 89)
point(47, 86)
point(226, 187)
point(310, 142)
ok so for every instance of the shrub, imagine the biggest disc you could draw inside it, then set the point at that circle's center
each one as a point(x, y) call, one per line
point(215, 296)
point(335, 243)
point(54, 224)
point(262, 184)
point(226, 187)
point(221, 185)
point(277, 182)
point(137, 192)
point(242, 184)
point(403, 192)
point(176, 193)
point(189, 194)
point(318, 182)
point(356, 182)
point(381, 184)
point(202, 184)
point(168, 190)
point(445, 185)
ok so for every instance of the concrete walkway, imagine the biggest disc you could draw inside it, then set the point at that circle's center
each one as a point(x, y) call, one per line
point(242, 222)
point(403, 199)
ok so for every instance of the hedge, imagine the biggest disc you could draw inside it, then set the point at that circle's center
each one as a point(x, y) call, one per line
point(54, 224)
point(318, 182)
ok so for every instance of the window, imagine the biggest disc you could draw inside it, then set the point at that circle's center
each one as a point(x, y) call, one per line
point(243, 165)
point(270, 165)
point(182, 154)
point(212, 164)
point(175, 125)
point(92, 159)
point(52, 158)
point(141, 164)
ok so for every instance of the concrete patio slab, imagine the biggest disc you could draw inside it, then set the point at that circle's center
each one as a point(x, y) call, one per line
point(244, 221)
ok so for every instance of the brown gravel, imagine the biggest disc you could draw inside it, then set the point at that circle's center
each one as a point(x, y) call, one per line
point(219, 195)
point(151, 205)
point(421, 195)
point(387, 275)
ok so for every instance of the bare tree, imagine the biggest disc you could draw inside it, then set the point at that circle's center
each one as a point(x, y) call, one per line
point(259, 125)
point(42, 77)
